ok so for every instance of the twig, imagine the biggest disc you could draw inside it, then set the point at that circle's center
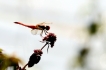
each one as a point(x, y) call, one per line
point(44, 46)
point(47, 48)
point(24, 67)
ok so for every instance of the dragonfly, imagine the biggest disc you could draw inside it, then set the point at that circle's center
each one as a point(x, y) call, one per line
point(43, 27)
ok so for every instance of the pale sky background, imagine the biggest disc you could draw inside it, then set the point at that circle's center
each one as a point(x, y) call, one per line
point(69, 17)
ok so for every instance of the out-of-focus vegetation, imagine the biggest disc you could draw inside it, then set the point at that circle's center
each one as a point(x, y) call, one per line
point(93, 31)
point(80, 61)
point(7, 60)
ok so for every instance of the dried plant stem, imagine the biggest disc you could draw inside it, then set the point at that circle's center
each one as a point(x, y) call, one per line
point(47, 48)
point(24, 67)
point(44, 46)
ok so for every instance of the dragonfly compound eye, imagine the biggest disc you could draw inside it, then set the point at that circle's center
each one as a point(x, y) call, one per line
point(47, 27)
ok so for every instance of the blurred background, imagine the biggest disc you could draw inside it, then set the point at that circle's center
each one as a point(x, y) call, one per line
point(78, 24)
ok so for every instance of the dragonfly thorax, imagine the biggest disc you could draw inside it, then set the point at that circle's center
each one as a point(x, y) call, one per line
point(41, 27)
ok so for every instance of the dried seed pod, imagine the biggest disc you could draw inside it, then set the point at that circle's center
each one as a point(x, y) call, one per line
point(35, 58)
point(50, 39)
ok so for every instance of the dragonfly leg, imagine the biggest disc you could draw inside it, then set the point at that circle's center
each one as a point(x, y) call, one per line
point(41, 33)
point(45, 32)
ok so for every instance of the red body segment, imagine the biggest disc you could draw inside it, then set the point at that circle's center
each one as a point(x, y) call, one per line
point(29, 26)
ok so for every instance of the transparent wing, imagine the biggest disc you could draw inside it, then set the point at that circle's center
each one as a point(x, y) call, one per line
point(34, 31)
point(44, 23)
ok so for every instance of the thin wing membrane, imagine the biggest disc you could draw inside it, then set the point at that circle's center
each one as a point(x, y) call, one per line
point(36, 32)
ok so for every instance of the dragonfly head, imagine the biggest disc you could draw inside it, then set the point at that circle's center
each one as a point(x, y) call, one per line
point(47, 27)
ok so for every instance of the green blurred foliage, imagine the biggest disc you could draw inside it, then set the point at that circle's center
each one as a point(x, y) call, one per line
point(80, 60)
point(7, 60)
point(93, 28)
point(82, 56)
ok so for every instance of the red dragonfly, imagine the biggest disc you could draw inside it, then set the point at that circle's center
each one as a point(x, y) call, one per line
point(50, 39)
point(43, 27)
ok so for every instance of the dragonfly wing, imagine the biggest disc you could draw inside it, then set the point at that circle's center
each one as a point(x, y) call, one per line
point(34, 31)
point(44, 23)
